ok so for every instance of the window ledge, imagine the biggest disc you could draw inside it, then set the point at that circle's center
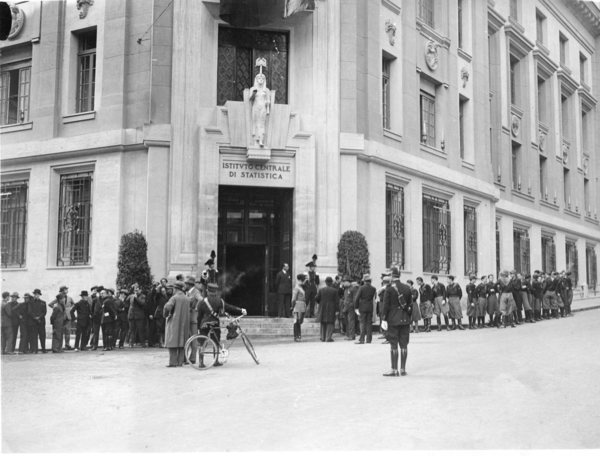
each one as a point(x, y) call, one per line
point(429, 32)
point(522, 195)
point(433, 151)
point(542, 48)
point(468, 165)
point(16, 127)
point(13, 268)
point(572, 213)
point(390, 134)
point(591, 220)
point(50, 268)
point(500, 185)
point(550, 205)
point(79, 117)
point(464, 54)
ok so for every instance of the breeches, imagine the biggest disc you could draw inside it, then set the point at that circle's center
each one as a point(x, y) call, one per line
point(398, 335)
point(507, 303)
point(439, 307)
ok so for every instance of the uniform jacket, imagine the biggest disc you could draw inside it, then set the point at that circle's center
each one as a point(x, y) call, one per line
point(97, 310)
point(439, 290)
point(219, 308)
point(426, 293)
point(365, 298)
point(312, 285)
point(109, 310)
point(471, 293)
point(283, 283)
point(453, 289)
point(397, 301)
point(329, 300)
point(515, 285)
point(537, 289)
point(481, 291)
point(122, 309)
point(491, 288)
point(82, 311)
point(177, 325)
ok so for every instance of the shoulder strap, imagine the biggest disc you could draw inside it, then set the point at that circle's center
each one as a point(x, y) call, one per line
point(212, 311)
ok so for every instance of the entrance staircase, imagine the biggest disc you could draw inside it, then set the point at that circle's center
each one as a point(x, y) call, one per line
point(277, 327)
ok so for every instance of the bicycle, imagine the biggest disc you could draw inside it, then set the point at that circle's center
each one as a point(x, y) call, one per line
point(208, 351)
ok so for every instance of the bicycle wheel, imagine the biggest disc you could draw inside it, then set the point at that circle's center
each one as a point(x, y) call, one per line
point(201, 352)
point(249, 346)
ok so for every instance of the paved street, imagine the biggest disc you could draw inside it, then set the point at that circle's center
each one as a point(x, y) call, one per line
point(532, 387)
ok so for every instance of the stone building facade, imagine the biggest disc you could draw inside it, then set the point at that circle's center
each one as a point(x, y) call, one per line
point(456, 136)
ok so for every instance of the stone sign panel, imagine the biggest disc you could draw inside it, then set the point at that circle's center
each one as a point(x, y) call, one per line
point(277, 172)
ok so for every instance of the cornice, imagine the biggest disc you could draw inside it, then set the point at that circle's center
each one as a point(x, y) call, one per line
point(587, 99)
point(589, 14)
point(566, 81)
point(495, 19)
point(546, 67)
point(589, 47)
point(518, 41)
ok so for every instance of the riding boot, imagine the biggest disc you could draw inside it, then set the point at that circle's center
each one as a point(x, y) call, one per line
point(504, 319)
point(446, 321)
point(394, 359)
point(460, 326)
point(453, 324)
point(470, 322)
point(295, 331)
point(439, 323)
point(403, 356)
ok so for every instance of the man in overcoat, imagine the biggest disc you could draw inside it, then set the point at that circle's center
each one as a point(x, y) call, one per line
point(363, 304)
point(37, 315)
point(193, 292)
point(5, 320)
point(396, 312)
point(57, 320)
point(137, 316)
point(177, 326)
point(109, 316)
point(312, 285)
point(283, 287)
point(328, 299)
point(82, 312)
point(350, 290)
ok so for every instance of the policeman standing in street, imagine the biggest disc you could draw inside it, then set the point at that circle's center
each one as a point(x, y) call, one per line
point(312, 285)
point(397, 311)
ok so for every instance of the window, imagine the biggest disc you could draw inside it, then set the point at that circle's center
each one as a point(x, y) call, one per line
point(86, 76)
point(460, 24)
point(541, 100)
point(385, 91)
point(497, 247)
point(539, 26)
point(563, 43)
point(571, 260)
point(394, 226)
point(436, 235)
point(582, 68)
point(521, 250)
point(470, 215)
point(236, 65)
point(566, 188)
point(426, 12)
point(428, 119)
point(591, 267)
point(548, 253)
point(584, 131)
point(461, 126)
point(14, 223)
point(516, 177)
point(14, 94)
point(514, 11)
point(74, 219)
point(514, 80)
point(543, 178)
point(586, 197)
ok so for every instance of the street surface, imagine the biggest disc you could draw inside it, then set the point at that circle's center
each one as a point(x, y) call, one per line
point(532, 387)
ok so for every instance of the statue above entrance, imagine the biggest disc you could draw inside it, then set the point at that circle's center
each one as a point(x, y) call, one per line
point(260, 97)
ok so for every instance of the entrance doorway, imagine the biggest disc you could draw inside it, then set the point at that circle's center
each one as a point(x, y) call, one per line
point(255, 239)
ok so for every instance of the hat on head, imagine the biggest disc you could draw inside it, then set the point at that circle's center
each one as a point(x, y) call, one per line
point(434, 277)
point(63, 288)
point(366, 278)
point(213, 287)
point(37, 291)
point(190, 280)
point(14, 294)
point(313, 262)
point(179, 285)
point(111, 290)
point(451, 277)
point(83, 293)
point(99, 288)
point(179, 277)
point(27, 295)
point(386, 278)
point(514, 271)
point(395, 272)
point(211, 260)
point(568, 273)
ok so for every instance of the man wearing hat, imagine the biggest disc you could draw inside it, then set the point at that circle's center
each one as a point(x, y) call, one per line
point(283, 288)
point(137, 316)
point(364, 301)
point(57, 320)
point(350, 290)
point(195, 296)
point(329, 301)
point(5, 320)
point(109, 316)
point(69, 303)
point(36, 322)
point(82, 313)
point(211, 307)
point(312, 285)
point(14, 307)
point(24, 324)
point(177, 327)
point(122, 328)
point(397, 310)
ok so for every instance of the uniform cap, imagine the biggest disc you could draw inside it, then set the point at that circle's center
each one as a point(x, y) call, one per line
point(14, 294)
point(37, 291)
point(83, 293)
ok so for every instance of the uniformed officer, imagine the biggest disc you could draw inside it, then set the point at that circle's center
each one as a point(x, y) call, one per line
point(312, 285)
point(425, 302)
point(210, 274)
point(397, 309)
point(481, 296)
point(453, 296)
point(440, 305)
point(471, 301)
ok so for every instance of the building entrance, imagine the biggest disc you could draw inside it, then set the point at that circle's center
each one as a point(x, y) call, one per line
point(255, 238)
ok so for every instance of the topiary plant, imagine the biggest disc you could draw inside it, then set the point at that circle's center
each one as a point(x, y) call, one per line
point(133, 262)
point(353, 255)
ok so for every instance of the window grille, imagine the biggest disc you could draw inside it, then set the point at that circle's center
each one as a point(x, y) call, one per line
point(394, 223)
point(427, 119)
point(436, 235)
point(470, 217)
point(385, 95)
point(86, 83)
point(237, 54)
point(521, 250)
point(571, 260)
point(548, 254)
point(591, 267)
point(14, 95)
point(14, 223)
point(74, 219)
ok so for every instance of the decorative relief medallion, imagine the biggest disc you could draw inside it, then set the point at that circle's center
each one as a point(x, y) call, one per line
point(464, 75)
point(84, 5)
point(390, 29)
point(431, 55)
point(515, 125)
point(542, 141)
point(18, 20)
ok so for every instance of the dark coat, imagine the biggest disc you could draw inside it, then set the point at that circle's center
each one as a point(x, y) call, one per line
point(218, 306)
point(57, 319)
point(6, 315)
point(283, 283)
point(312, 285)
point(97, 310)
point(397, 300)
point(36, 312)
point(426, 293)
point(82, 310)
point(177, 326)
point(453, 289)
point(365, 297)
point(122, 309)
point(137, 307)
point(329, 301)
point(109, 310)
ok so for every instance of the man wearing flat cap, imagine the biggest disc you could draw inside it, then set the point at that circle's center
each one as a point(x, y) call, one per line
point(36, 317)
point(364, 302)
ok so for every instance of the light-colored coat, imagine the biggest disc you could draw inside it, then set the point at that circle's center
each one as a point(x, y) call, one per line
point(177, 325)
